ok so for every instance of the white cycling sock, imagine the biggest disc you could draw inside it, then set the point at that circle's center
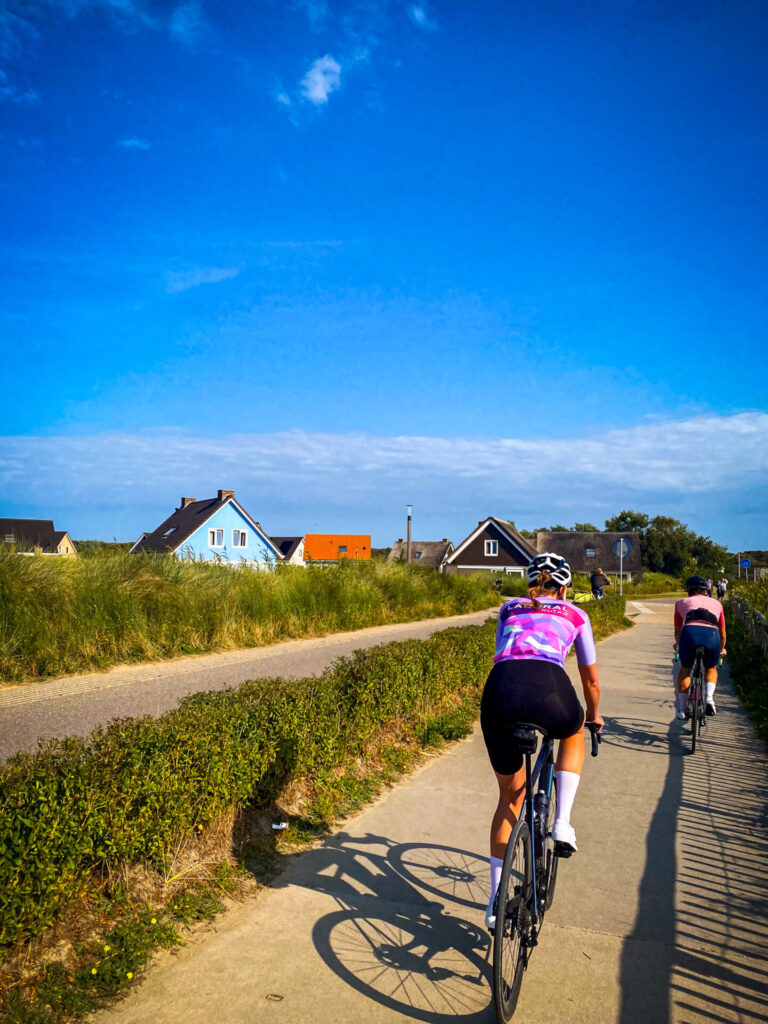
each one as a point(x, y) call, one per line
point(495, 876)
point(567, 783)
point(711, 690)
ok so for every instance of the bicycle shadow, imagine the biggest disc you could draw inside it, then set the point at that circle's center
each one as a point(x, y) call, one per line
point(390, 937)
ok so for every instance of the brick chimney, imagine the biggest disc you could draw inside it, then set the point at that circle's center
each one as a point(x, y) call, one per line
point(223, 495)
point(187, 501)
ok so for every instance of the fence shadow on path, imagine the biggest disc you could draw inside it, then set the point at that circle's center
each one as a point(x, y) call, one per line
point(391, 938)
point(699, 947)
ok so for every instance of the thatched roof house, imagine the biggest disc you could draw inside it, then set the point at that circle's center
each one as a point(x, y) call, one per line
point(423, 552)
point(586, 552)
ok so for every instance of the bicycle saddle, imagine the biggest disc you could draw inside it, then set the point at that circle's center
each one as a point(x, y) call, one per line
point(525, 736)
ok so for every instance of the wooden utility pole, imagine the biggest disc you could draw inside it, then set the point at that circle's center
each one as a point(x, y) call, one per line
point(409, 510)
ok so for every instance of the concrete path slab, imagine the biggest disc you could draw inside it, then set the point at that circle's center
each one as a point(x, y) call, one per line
point(660, 919)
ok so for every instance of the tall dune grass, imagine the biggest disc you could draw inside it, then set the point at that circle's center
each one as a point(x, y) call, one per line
point(74, 615)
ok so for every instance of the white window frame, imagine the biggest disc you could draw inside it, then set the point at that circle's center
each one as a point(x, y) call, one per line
point(491, 549)
point(239, 538)
point(213, 538)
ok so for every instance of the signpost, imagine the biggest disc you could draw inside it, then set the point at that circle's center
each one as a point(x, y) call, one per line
point(745, 564)
point(621, 549)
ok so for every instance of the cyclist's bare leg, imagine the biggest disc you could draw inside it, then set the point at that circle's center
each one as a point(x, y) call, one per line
point(684, 679)
point(570, 753)
point(511, 792)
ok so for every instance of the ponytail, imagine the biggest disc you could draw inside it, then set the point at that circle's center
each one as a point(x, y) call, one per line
point(544, 585)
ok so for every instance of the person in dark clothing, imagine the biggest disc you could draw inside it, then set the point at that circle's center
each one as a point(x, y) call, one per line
point(599, 581)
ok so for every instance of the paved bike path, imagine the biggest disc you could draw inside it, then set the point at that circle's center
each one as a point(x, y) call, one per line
point(75, 705)
point(660, 918)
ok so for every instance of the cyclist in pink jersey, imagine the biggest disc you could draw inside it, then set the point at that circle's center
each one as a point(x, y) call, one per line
point(699, 622)
point(528, 683)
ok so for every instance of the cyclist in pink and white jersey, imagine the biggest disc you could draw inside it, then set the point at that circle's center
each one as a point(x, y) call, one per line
point(528, 683)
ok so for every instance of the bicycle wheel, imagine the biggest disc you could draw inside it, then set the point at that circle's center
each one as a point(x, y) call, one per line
point(695, 700)
point(513, 923)
point(550, 860)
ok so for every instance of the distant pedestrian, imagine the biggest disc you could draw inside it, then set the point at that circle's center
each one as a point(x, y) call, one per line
point(722, 586)
point(599, 581)
point(709, 586)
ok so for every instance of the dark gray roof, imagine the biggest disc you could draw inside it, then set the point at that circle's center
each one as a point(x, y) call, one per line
point(573, 547)
point(31, 533)
point(179, 526)
point(286, 545)
point(423, 552)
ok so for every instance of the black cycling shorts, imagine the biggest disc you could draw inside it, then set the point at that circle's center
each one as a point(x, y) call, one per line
point(526, 690)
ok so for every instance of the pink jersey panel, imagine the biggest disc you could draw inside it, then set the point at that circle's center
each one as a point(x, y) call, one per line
point(693, 604)
point(546, 633)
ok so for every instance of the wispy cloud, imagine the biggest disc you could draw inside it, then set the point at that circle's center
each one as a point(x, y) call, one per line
point(323, 78)
point(135, 143)
point(420, 16)
point(673, 462)
point(315, 10)
point(11, 93)
point(187, 23)
point(183, 280)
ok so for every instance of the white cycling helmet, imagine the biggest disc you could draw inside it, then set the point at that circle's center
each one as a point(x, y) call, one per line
point(555, 565)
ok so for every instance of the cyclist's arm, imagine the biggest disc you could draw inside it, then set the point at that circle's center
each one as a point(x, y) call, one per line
point(591, 686)
point(678, 625)
point(721, 626)
point(586, 656)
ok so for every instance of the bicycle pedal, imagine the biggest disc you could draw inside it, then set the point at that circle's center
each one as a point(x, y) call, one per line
point(563, 850)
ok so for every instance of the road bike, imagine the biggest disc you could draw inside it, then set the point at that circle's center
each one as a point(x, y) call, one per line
point(697, 698)
point(529, 870)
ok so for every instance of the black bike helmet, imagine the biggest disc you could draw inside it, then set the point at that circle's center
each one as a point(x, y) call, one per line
point(696, 585)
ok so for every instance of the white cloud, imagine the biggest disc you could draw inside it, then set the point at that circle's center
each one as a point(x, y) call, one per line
point(687, 461)
point(182, 280)
point(323, 78)
point(421, 18)
point(187, 23)
point(15, 94)
point(135, 143)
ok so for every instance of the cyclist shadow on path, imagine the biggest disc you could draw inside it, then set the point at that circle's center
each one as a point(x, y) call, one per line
point(399, 936)
point(699, 949)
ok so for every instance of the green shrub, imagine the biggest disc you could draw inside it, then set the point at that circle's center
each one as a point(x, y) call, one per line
point(78, 614)
point(748, 666)
point(80, 808)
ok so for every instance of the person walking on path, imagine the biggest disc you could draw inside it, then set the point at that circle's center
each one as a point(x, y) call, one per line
point(599, 581)
point(528, 683)
point(699, 622)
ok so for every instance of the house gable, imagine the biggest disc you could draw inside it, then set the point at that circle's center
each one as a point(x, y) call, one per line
point(230, 518)
point(505, 548)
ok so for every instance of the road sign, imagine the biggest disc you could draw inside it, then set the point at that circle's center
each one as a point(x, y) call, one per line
point(745, 563)
point(622, 547)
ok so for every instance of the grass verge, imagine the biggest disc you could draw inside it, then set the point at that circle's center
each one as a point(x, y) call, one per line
point(77, 615)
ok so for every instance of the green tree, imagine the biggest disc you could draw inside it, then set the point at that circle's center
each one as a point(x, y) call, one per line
point(628, 521)
point(585, 528)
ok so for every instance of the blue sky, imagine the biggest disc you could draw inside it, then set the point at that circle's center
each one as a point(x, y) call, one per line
point(490, 258)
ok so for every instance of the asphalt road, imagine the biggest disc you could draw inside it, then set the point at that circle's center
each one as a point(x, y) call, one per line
point(75, 705)
point(659, 919)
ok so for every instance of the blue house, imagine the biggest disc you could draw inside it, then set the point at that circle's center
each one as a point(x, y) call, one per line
point(213, 530)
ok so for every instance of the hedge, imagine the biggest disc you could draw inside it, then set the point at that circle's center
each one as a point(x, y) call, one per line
point(748, 668)
point(79, 809)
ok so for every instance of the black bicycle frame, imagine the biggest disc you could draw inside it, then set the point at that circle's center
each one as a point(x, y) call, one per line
point(544, 761)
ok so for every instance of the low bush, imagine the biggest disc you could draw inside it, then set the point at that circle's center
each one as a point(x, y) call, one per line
point(83, 808)
point(79, 614)
point(748, 665)
point(79, 810)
